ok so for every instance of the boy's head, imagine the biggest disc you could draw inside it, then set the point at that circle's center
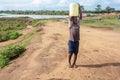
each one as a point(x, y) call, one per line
point(74, 19)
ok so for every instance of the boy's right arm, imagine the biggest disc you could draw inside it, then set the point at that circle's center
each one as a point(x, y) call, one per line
point(70, 23)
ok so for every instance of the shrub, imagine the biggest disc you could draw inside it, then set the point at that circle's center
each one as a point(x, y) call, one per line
point(14, 35)
point(12, 51)
point(6, 35)
point(3, 36)
point(10, 26)
point(3, 61)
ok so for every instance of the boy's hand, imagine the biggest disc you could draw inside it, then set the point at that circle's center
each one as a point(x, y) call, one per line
point(79, 5)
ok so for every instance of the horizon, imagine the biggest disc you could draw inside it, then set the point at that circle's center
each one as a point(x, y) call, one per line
point(37, 5)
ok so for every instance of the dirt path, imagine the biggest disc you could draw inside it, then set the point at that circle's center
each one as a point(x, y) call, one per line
point(46, 56)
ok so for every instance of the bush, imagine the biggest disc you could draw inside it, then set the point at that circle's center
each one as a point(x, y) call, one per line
point(12, 51)
point(3, 36)
point(10, 26)
point(37, 22)
point(3, 61)
point(14, 35)
point(7, 35)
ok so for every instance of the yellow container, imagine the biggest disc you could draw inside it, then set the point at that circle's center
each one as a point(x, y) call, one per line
point(74, 9)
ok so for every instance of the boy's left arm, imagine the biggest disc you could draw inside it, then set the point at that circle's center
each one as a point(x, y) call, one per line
point(80, 12)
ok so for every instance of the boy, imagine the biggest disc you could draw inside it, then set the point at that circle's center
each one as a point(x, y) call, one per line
point(73, 43)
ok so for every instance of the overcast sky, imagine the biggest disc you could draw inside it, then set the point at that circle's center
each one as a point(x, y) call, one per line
point(55, 4)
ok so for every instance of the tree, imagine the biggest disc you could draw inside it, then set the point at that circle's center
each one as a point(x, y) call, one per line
point(82, 8)
point(112, 9)
point(109, 9)
point(98, 8)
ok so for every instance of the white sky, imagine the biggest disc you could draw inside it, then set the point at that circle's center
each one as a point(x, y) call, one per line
point(54, 4)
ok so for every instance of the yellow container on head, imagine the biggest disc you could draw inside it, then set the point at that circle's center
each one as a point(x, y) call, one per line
point(74, 9)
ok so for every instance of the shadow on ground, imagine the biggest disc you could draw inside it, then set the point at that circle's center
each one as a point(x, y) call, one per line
point(100, 65)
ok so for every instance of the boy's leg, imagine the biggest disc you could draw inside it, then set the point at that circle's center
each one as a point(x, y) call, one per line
point(70, 46)
point(69, 60)
point(76, 48)
point(74, 60)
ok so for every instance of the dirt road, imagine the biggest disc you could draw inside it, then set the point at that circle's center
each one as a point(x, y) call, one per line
point(46, 56)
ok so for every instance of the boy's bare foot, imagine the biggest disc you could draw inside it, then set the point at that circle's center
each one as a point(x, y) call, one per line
point(70, 66)
point(75, 66)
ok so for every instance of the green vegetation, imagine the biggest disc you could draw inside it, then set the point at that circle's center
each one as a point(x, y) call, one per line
point(12, 23)
point(1, 15)
point(9, 28)
point(37, 22)
point(41, 12)
point(13, 51)
point(14, 35)
point(3, 61)
point(41, 22)
point(55, 19)
point(7, 35)
point(112, 23)
point(98, 9)
point(10, 52)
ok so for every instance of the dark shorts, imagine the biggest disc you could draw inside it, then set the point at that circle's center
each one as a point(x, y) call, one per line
point(73, 47)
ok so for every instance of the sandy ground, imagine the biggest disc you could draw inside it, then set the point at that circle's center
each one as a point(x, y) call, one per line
point(46, 56)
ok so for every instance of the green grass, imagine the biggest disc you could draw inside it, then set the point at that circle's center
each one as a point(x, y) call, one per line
point(112, 23)
point(40, 22)
point(3, 61)
point(13, 51)
point(9, 28)
point(10, 52)
point(54, 19)
point(12, 24)
point(7, 35)
point(37, 22)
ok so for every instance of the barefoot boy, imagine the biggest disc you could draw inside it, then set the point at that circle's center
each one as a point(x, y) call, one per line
point(73, 43)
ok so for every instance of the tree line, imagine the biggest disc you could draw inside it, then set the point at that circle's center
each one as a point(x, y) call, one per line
point(40, 12)
point(97, 9)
